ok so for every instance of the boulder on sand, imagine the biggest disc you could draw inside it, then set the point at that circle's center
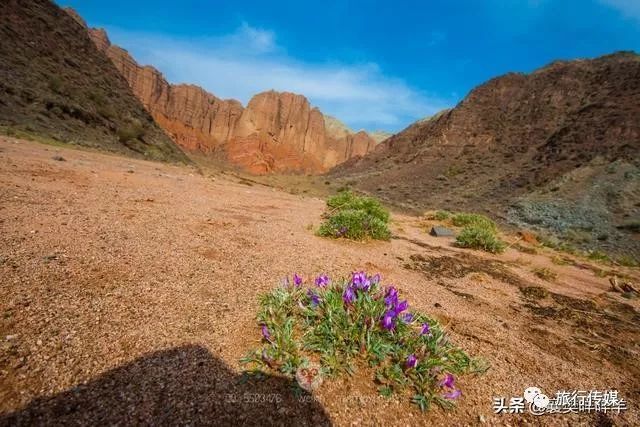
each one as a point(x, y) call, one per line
point(439, 231)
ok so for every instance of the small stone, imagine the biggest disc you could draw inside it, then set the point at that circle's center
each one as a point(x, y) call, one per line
point(11, 337)
point(39, 342)
point(482, 419)
point(50, 257)
point(437, 305)
point(59, 159)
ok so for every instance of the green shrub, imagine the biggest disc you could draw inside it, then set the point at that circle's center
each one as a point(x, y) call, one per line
point(355, 217)
point(480, 237)
point(442, 215)
point(347, 200)
point(466, 219)
point(331, 329)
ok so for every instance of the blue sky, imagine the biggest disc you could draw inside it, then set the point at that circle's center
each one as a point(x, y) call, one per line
point(374, 65)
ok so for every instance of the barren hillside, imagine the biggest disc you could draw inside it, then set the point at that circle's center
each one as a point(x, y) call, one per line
point(55, 83)
point(557, 149)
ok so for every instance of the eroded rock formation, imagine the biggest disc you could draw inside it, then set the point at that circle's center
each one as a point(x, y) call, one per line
point(276, 132)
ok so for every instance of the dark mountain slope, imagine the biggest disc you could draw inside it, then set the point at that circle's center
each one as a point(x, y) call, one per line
point(54, 82)
point(558, 149)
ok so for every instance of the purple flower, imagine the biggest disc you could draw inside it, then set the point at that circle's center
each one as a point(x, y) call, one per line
point(342, 231)
point(448, 381)
point(400, 307)
point(412, 361)
point(375, 279)
point(348, 296)
point(297, 280)
point(391, 297)
point(453, 394)
point(265, 333)
point(360, 281)
point(407, 317)
point(426, 329)
point(388, 320)
point(322, 281)
point(315, 298)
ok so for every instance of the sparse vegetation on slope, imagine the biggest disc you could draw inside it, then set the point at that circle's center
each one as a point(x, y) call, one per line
point(545, 274)
point(470, 219)
point(355, 217)
point(340, 324)
point(56, 86)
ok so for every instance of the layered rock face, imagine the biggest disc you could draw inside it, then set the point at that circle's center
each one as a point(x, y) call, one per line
point(285, 134)
point(276, 132)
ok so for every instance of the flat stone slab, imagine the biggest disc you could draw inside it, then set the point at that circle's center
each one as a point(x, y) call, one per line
point(438, 231)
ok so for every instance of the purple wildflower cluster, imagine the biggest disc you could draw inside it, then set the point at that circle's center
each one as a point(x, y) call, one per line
point(448, 383)
point(360, 282)
point(395, 307)
point(322, 281)
point(412, 361)
point(396, 311)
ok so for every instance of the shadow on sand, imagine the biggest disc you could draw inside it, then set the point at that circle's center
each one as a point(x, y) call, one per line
point(183, 385)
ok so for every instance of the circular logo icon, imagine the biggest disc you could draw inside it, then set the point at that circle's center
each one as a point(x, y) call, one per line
point(530, 393)
point(541, 401)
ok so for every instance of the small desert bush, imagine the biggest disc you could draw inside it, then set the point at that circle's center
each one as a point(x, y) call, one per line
point(545, 274)
point(555, 243)
point(466, 219)
point(442, 215)
point(599, 256)
point(477, 236)
point(329, 329)
point(355, 217)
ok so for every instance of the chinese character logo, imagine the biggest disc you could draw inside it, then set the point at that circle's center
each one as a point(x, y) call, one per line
point(564, 402)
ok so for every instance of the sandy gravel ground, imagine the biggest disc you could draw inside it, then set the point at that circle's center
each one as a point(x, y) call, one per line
point(128, 291)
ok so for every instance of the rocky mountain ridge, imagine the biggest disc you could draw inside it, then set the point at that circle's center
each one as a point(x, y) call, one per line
point(558, 148)
point(276, 132)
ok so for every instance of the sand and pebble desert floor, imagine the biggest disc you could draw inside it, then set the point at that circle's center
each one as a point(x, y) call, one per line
point(128, 291)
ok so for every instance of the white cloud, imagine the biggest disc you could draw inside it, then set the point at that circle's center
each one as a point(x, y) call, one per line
point(257, 39)
point(249, 61)
point(629, 8)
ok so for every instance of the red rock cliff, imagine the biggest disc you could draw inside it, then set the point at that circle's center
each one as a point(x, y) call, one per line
point(276, 132)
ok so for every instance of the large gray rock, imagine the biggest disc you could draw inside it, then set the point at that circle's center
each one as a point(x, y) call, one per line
point(439, 231)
